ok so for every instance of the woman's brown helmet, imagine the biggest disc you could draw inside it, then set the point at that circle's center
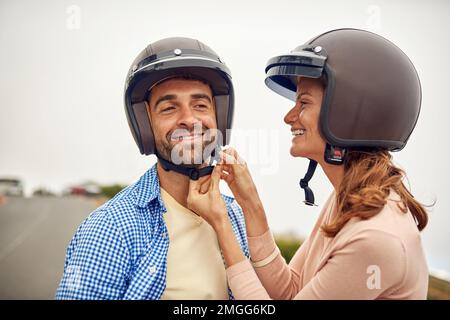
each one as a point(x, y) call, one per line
point(372, 94)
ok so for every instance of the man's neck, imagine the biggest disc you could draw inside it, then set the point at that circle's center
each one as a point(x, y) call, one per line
point(176, 184)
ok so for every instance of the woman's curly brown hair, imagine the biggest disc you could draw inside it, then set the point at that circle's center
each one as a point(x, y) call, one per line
point(368, 179)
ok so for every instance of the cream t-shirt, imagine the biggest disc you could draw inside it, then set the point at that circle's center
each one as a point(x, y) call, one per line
point(195, 267)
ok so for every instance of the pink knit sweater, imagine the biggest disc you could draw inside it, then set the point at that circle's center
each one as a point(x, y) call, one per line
point(378, 258)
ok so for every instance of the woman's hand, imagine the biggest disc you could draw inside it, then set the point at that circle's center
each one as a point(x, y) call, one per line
point(236, 174)
point(204, 199)
point(240, 182)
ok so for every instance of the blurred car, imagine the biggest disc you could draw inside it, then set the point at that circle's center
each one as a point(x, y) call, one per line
point(11, 187)
point(43, 192)
point(85, 189)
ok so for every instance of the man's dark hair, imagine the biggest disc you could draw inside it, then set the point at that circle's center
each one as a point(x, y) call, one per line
point(182, 76)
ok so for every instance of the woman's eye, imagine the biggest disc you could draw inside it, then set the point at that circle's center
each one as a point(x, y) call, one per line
point(303, 104)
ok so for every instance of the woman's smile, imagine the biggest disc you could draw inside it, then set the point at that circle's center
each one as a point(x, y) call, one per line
point(297, 133)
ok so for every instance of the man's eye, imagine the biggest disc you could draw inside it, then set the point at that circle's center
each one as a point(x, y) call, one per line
point(167, 109)
point(200, 106)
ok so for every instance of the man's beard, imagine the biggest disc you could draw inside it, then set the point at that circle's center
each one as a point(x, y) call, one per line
point(190, 155)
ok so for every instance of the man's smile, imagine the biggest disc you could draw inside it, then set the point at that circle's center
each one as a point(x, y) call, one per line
point(192, 136)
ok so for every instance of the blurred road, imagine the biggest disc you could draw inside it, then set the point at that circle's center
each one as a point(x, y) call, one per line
point(34, 234)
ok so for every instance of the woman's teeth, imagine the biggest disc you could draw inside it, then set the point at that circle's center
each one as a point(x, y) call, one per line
point(299, 132)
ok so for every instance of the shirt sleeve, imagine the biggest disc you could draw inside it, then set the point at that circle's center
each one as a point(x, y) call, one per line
point(97, 262)
point(237, 220)
point(371, 264)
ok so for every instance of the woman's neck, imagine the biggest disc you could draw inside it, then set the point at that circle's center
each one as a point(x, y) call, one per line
point(334, 173)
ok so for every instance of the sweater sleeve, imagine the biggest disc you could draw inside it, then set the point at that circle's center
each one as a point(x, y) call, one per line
point(370, 264)
point(280, 279)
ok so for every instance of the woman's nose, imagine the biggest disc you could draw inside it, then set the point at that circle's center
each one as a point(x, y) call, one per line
point(291, 116)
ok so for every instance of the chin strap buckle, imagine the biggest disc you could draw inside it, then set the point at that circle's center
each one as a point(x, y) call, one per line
point(192, 173)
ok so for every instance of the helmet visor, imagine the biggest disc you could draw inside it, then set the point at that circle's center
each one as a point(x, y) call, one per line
point(283, 71)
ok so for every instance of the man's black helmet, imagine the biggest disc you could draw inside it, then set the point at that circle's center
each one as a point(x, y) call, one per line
point(168, 58)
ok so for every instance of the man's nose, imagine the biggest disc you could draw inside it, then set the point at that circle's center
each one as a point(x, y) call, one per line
point(187, 118)
point(291, 116)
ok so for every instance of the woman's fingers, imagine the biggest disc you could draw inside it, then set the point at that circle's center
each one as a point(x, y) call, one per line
point(232, 152)
point(227, 178)
point(193, 194)
point(231, 157)
point(227, 158)
point(194, 186)
point(215, 177)
point(237, 158)
point(204, 184)
point(197, 187)
point(224, 175)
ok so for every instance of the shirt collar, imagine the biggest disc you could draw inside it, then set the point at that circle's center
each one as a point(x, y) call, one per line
point(147, 188)
point(228, 200)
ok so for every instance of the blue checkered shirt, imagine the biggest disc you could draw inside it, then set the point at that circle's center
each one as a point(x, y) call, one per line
point(120, 250)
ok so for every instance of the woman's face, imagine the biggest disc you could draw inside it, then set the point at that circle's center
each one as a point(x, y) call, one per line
point(303, 119)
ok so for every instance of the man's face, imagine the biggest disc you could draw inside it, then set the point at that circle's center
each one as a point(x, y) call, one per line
point(183, 118)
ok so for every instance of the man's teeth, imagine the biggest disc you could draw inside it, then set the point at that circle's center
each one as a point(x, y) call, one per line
point(191, 136)
point(299, 132)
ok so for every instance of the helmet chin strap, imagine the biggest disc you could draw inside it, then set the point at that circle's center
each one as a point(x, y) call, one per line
point(309, 195)
point(192, 173)
point(333, 155)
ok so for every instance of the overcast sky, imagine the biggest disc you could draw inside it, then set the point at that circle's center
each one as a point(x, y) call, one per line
point(63, 66)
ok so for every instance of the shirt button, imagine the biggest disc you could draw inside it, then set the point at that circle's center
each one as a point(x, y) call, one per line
point(164, 234)
point(152, 269)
